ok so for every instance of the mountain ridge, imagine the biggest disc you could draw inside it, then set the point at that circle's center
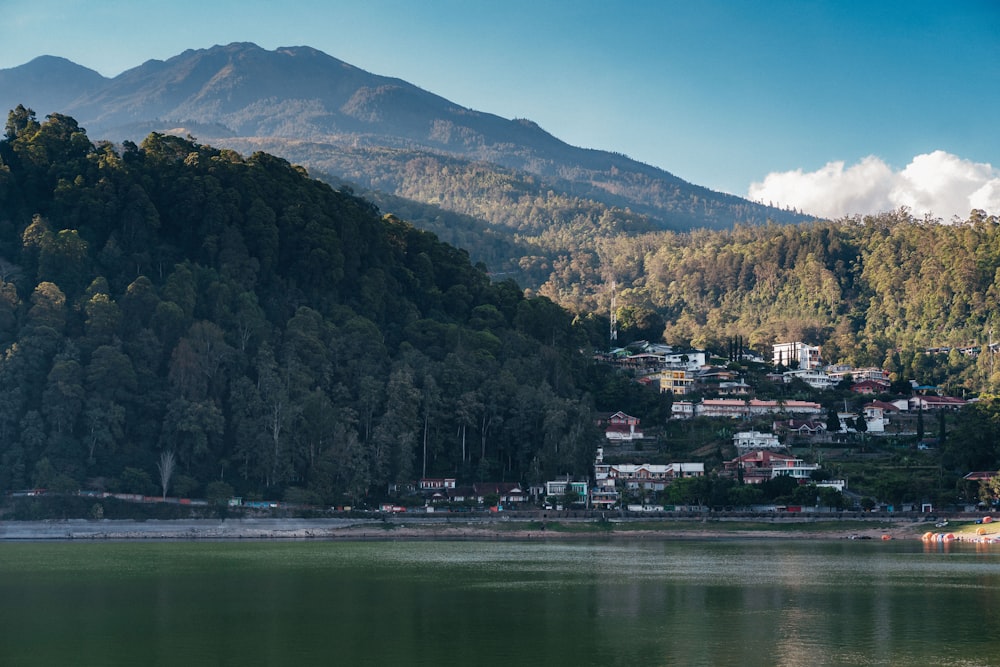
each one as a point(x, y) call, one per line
point(298, 93)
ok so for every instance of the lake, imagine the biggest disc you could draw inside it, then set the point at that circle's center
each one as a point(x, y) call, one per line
point(688, 602)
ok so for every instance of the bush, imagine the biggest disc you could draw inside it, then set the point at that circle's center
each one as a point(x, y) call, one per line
point(218, 493)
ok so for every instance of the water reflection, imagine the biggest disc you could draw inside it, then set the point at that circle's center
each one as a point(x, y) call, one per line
point(663, 603)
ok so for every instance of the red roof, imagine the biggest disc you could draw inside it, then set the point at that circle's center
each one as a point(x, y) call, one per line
point(760, 458)
point(886, 407)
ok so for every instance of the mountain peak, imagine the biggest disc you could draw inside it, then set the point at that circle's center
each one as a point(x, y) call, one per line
point(58, 66)
point(47, 84)
point(240, 92)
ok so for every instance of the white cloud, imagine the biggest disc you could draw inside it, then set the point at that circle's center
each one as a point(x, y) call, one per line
point(939, 183)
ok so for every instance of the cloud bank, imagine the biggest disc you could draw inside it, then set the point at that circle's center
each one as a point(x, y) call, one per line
point(939, 184)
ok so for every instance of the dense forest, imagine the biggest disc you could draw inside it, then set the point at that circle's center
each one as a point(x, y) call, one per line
point(876, 290)
point(872, 290)
point(526, 216)
point(177, 318)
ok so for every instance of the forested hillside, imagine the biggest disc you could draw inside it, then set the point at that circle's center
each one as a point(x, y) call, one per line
point(519, 182)
point(877, 290)
point(172, 305)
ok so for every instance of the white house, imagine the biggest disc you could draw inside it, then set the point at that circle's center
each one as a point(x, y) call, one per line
point(815, 378)
point(806, 357)
point(746, 441)
point(682, 410)
point(797, 469)
point(873, 415)
point(875, 418)
point(926, 403)
point(648, 476)
point(560, 487)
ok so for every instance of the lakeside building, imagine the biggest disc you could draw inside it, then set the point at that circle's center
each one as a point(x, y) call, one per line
point(437, 483)
point(507, 493)
point(562, 487)
point(761, 465)
point(610, 477)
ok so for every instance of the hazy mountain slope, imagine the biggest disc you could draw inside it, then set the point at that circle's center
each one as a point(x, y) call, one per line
point(48, 84)
point(298, 94)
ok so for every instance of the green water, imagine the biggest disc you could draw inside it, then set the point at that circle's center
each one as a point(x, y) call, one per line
point(735, 602)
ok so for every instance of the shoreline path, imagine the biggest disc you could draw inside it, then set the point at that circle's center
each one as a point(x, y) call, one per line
point(374, 529)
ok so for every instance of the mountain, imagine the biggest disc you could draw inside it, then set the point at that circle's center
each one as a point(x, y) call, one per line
point(49, 83)
point(308, 104)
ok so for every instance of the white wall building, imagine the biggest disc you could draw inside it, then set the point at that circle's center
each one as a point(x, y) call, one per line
point(806, 357)
point(746, 441)
point(817, 379)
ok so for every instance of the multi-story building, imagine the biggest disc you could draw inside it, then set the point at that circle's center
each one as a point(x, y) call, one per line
point(737, 408)
point(645, 476)
point(746, 441)
point(761, 465)
point(678, 381)
point(815, 378)
point(805, 357)
point(562, 487)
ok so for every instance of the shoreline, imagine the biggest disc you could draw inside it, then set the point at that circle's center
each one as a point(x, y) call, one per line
point(376, 530)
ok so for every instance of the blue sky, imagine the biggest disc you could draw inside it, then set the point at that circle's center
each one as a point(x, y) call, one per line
point(848, 106)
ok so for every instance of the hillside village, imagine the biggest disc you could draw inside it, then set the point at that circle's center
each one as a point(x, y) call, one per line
point(770, 442)
point(200, 356)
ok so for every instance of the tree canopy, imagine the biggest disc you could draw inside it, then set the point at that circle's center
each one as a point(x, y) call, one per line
point(177, 308)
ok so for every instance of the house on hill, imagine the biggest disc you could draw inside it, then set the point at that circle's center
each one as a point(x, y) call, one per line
point(678, 381)
point(682, 410)
point(758, 407)
point(805, 357)
point(800, 427)
point(620, 427)
point(815, 378)
point(761, 465)
point(870, 387)
point(928, 403)
point(736, 408)
point(745, 441)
